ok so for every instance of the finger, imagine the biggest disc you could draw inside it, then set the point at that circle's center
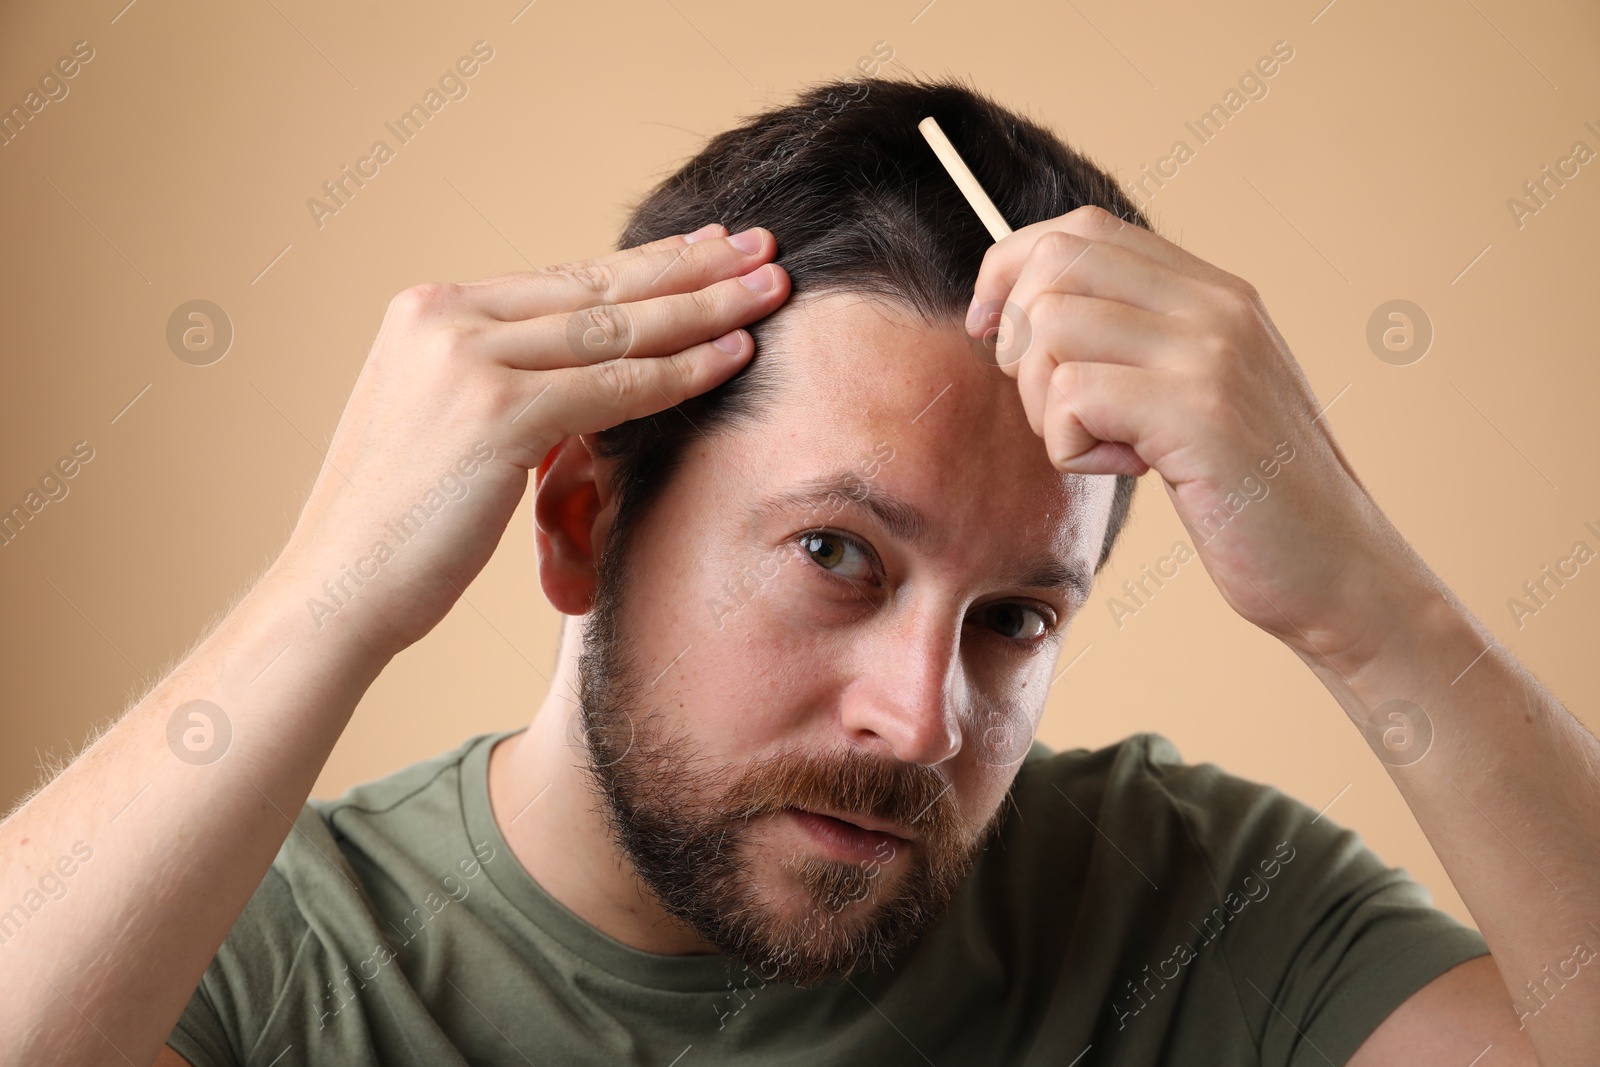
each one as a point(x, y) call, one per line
point(1004, 261)
point(674, 266)
point(1064, 327)
point(1070, 263)
point(1093, 418)
point(588, 399)
point(659, 326)
point(677, 240)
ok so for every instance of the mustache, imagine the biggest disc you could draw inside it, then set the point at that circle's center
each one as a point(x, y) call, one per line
point(906, 794)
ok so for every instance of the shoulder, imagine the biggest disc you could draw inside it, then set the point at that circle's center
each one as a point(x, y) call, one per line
point(1205, 827)
point(413, 791)
point(1275, 899)
point(1143, 782)
point(320, 905)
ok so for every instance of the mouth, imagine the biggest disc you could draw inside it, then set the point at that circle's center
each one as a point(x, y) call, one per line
point(853, 838)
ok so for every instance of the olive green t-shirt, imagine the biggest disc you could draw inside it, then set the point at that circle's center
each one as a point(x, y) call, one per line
point(1133, 910)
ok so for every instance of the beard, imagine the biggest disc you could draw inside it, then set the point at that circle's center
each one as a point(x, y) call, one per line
point(683, 822)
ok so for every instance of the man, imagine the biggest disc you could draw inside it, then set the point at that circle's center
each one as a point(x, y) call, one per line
point(781, 803)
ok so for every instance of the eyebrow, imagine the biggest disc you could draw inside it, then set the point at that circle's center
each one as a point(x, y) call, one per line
point(844, 489)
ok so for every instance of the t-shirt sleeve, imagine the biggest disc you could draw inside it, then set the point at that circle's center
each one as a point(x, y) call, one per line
point(244, 982)
point(1351, 938)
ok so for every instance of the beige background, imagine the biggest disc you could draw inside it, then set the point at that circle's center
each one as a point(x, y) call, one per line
point(1378, 167)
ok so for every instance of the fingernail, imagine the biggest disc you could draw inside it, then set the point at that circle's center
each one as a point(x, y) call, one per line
point(729, 342)
point(708, 230)
point(972, 311)
point(746, 241)
point(759, 279)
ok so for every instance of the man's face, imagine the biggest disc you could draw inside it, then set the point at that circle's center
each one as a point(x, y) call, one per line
point(805, 708)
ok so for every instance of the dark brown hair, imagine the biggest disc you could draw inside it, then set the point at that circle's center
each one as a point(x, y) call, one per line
point(858, 203)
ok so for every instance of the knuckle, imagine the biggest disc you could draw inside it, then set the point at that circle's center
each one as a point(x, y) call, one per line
point(1252, 297)
point(1238, 299)
point(1067, 377)
point(599, 332)
point(597, 278)
point(1052, 307)
point(619, 379)
point(455, 337)
point(706, 303)
point(702, 263)
point(503, 392)
point(1060, 243)
point(424, 298)
point(1216, 349)
point(1212, 405)
point(1097, 219)
point(701, 254)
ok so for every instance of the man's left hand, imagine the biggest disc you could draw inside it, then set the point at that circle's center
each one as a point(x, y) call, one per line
point(1135, 354)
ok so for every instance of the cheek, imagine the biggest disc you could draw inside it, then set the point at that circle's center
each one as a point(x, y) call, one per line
point(720, 646)
point(736, 675)
point(981, 794)
point(1008, 700)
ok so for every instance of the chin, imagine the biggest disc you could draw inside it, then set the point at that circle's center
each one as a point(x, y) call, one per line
point(805, 891)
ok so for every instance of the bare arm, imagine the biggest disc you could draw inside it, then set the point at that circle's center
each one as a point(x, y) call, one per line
point(180, 807)
point(1456, 1020)
point(177, 846)
point(1505, 783)
point(1145, 357)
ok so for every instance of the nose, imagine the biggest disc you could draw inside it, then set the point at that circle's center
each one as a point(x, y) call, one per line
point(904, 701)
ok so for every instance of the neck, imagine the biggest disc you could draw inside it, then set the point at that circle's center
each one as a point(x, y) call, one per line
point(541, 794)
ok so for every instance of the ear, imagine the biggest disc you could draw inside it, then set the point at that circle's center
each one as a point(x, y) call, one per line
point(573, 506)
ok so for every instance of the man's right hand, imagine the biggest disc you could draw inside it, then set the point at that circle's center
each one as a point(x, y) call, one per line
point(506, 368)
point(466, 389)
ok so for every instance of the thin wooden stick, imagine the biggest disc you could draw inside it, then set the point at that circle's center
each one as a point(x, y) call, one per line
point(964, 179)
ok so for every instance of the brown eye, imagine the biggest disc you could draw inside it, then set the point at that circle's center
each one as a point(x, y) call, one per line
point(1016, 621)
point(837, 554)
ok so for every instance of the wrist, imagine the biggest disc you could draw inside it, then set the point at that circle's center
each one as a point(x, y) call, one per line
point(287, 609)
point(1416, 641)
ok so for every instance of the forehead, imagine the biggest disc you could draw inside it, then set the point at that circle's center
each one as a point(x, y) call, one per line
point(867, 385)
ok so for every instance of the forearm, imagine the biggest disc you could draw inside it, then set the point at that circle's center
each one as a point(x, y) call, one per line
point(1507, 791)
point(176, 844)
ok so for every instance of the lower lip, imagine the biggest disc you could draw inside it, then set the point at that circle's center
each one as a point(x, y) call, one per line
point(846, 841)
